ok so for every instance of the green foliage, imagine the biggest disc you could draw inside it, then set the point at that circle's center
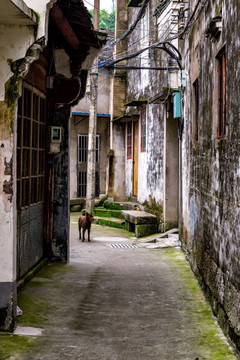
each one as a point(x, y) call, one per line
point(106, 20)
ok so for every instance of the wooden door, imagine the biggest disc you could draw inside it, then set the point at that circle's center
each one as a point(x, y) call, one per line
point(135, 158)
point(31, 135)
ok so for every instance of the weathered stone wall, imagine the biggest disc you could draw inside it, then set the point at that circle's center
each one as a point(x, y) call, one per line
point(211, 166)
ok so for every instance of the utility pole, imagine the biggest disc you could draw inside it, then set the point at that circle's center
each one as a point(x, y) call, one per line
point(91, 170)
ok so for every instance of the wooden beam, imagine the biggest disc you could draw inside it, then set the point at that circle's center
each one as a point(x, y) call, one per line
point(63, 25)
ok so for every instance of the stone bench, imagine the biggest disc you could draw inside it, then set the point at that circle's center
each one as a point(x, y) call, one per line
point(140, 222)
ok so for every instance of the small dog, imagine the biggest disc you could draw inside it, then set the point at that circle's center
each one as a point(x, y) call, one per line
point(84, 222)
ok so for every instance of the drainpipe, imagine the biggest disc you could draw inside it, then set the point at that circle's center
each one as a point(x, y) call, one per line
point(92, 123)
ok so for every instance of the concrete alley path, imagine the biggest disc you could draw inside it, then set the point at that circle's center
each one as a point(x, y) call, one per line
point(114, 303)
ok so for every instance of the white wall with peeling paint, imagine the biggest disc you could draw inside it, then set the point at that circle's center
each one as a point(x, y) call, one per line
point(42, 8)
point(15, 40)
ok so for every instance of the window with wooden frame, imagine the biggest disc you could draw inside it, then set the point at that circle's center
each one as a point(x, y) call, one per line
point(31, 130)
point(196, 110)
point(221, 70)
point(143, 129)
point(129, 140)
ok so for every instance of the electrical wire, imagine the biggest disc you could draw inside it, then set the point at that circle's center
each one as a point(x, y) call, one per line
point(158, 45)
point(162, 44)
point(133, 26)
point(149, 33)
point(110, 15)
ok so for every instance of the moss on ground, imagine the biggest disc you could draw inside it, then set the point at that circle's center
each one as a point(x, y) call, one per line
point(12, 346)
point(211, 340)
point(36, 308)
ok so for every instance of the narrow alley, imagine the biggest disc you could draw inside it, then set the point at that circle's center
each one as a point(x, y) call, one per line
point(119, 303)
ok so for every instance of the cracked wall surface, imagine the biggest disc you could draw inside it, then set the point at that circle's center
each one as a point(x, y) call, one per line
point(211, 166)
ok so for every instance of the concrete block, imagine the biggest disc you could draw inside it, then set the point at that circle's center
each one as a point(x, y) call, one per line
point(145, 230)
point(139, 217)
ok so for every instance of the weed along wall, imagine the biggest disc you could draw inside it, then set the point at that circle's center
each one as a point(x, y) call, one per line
point(211, 167)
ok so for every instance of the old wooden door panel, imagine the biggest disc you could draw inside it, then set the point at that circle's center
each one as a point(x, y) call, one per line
point(135, 158)
point(31, 129)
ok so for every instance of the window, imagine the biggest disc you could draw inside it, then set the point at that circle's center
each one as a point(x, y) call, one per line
point(31, 129)
point(129, 140)
point(143, 130)
point(82, 165)
point(83, 148)
point(221, 69)
point(196, 109)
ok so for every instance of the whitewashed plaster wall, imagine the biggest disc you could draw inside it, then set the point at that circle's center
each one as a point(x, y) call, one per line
point(103, 100)
point(7, 216)
point(42, 7)
point(128, 171)
point(15, 40)
point(142, 177)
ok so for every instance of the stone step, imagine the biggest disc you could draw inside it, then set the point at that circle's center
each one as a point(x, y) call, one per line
point(131, 206)
point(139, 217)
point(109, 221)
point(140, 222)
point(107, 213)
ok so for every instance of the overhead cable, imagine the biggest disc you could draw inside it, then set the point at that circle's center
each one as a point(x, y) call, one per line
point(164, 45)
point(139, 16)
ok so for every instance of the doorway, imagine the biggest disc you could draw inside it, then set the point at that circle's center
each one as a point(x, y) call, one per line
point(135, 158)
point(31, 135)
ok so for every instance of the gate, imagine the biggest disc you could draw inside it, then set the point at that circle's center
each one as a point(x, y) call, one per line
point(82, 165)
point(31, 135)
